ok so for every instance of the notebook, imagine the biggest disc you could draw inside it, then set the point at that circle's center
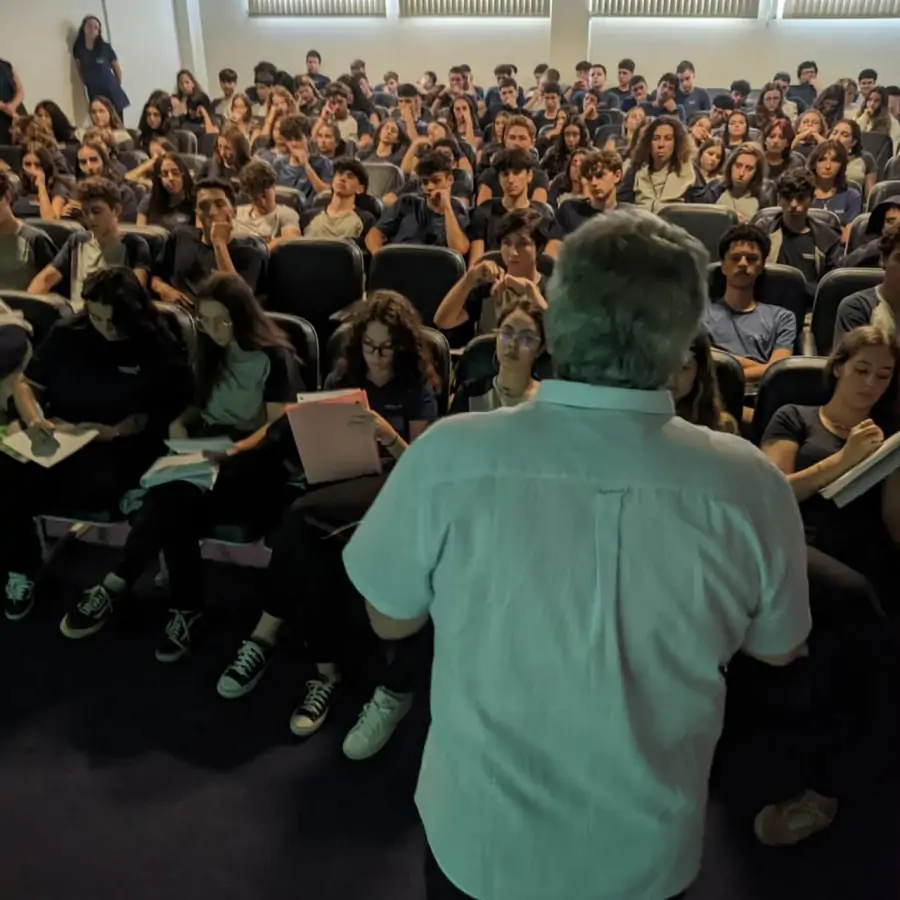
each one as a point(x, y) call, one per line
point(329, 448)
point(48, 450)
point(194, 468)
point(872, 470)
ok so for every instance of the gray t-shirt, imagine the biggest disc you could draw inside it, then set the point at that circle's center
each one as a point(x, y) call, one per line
point(23, 254)
point(249, 223)
point(324, 226)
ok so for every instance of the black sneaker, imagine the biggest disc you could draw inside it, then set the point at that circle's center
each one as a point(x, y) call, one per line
point(90, 615)
point(310, 715)
point(19, 596)
point(177, 641)
point(249, 665)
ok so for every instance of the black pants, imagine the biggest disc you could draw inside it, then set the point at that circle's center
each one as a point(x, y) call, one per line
point(439, 887)
point(176, 516)
point(308, 581)
point(94, 478)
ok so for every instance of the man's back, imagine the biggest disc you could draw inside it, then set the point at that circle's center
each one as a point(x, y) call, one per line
point(589, 562)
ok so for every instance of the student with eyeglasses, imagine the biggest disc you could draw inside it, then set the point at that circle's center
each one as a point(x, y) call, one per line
point(386, 355)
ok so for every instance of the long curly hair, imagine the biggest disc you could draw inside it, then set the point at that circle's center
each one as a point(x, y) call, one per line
point(681, 156)
point(412, 362)
point(63, 129)
point(51, 175)
point(556, 159)
point(159, 197)
point(163, 105)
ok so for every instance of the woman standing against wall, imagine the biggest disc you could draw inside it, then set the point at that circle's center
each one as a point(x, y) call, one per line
point(98, 65)
point(11, 96)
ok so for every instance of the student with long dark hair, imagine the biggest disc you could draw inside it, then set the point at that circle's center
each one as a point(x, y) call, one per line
point(170, 202)
point(744, 186)
point(58, 121)
point(696, 391)
point(861, 169)
point(736, 130)
point(232, 153)
point(98, 65)
point(246, 374)
point(94, 162)
point(777, 140)
point(389, 144)
point(711, 159)
point(830, 103)
point(11, 96)
point(828, 163)
point(876, 116)
point(769, 107)
point(156, 121)
point(386, 355)
point(188, 98)
point(103, 115)
point(569, 185)
point(115, 368)
point(44, 192)
point(574, 136)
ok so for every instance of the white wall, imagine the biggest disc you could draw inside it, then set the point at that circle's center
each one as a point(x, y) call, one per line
point(724, 50)
point(36, 37)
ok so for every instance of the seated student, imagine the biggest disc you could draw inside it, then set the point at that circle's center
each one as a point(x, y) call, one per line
point(188, 99)
point(264, 217)
point(573, 136)
point(639, 91)
point(591, 116)
point(601, 172)
point(44, 192)
point(520, 134)
point(664, 104)
point(302, 168)
point(104, 115)
point(877, 305)
point(811, 131)
point(409, 112)
point(94, 162)
point(514, 169)
point(463, 186)
point(861, 169)
point(624, 74)
point(778, 136)
point(494, 136)
point(170, 201)
point(549, 136)
point(246, 375)
point(661, 171)
point(281, 103)
point(309, 100)
point(624, 143)
point(868, 256)
point(799, 240)
point(739, 91)
point(155, 122)
point(756, 334)
point(353, 125)
point(769, 107)
point(24, 251)
point(232, 153)
point(552, 97)
point(688, 96)
point(480, 295)
point(464, 122)
point(507, 95)
point(814, 445)
point(696, 392)
point(744, 186)
point(830, 102)
point(58, 122)
point(342, 219)
point(228, 81)
point(101, 247)
point(711, 160)
point(389, 144)
point(435, 219)
point(782, 81)
point(520, 343)
point(190, 255)
point(828, 163)
point(569, 185)
point(700, 127)
point(386, 356)
point(877, 117)
point(114, 367)
point(263, 82)
point(806, 90)
point(737, 130)
point(313, 69)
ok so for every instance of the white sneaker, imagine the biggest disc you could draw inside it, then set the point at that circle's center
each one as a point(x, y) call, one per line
point(377, 722)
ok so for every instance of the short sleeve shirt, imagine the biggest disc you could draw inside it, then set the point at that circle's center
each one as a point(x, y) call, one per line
point(855, 311)
point(492, 180)
point(754, 334)
point(290, 176)
point(354, 126)
point(271, 225)
point(412, 221)
point(485, 224)
point(570, 216)
point(22, 255)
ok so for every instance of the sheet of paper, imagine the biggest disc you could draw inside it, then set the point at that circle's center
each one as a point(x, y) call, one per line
point(48, 451)
point(200, 445)
point(350, 395)
point(192, 467)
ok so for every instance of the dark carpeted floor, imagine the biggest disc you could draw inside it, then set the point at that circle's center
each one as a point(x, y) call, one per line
point(125, 779)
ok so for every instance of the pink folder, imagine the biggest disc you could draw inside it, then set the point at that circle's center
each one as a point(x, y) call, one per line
point(329, 448)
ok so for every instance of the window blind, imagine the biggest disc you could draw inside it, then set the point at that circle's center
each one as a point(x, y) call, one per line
point(721, 9)
point(318, 8)
point(841, 9)
point(516, 9)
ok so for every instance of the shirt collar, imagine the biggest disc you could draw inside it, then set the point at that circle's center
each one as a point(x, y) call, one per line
point(591, 396)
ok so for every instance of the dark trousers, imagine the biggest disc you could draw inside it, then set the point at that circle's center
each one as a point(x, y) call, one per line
point(93, 479)
point(308, 581)
point(176, 516)
point(439, 887)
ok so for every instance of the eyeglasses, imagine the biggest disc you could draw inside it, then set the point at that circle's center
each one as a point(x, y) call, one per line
point(377, 349)
point(526, 340)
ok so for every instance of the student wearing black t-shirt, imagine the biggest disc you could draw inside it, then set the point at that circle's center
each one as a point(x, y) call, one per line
point(601, 172)
point(190, 255)
point(115, 368)
point(814, 446)
point(170, 201)
point(519, 134)
point(482, 293)
point(514, 169)
point(385, 354)
point(246, 375)
point(551, 94)
point(101, 247)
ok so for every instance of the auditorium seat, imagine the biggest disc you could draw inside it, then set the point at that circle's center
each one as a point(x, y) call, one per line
point(544, 264)
point(833, 288)
point(437, 347)
point(892, 169)
point(305, 341)
point(704, 221)
point(183, 324)
point(42, 311)
point(12, 156)
point(315, 279)
point(858, 235)
point(798, 379)
point(730, 377)
point(384, 178)
point(882, 149)
point(882, 191)
point(131, 159)
point(154, 235)
point(291, 197)
point(185, 141)
point(206, 144)
point(57, 231)
point(825, 216)
point(604, 133)
point(424, 275)
point(195, 162)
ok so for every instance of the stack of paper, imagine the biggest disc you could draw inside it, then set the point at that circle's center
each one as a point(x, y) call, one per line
point(47, 450)
point(194, 468)
point(872, 470)
point(329, 448)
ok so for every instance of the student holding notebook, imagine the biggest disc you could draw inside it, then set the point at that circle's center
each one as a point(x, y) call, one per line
point(115, 368)
point(246, 375)
point(851, 549)
point(386, 356)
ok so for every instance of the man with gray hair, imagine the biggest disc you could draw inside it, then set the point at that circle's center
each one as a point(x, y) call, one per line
point(590, 563)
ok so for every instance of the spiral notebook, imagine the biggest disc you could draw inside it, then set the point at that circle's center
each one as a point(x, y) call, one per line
point(865, 475)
